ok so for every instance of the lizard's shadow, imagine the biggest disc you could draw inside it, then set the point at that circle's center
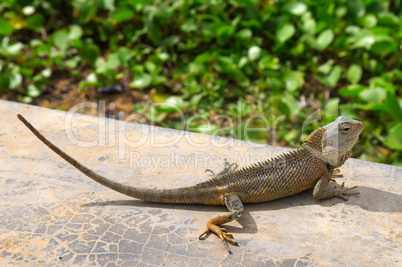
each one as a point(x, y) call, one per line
point(370, 199)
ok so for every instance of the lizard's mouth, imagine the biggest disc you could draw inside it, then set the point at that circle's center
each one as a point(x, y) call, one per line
point(356, 133)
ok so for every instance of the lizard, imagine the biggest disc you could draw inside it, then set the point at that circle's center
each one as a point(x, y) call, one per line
point(314, 164)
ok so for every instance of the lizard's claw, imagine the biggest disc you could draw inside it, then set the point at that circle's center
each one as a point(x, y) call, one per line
point(222, 234)
point(337, 171)
point(346, 191)
point(336, 174)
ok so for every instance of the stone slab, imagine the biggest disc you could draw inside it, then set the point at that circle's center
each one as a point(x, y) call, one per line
point(52, 215)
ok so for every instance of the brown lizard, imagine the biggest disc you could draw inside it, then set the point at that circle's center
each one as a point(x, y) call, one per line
point(312, 165)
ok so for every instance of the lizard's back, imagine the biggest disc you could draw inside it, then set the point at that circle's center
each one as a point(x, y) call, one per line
point(282, 176)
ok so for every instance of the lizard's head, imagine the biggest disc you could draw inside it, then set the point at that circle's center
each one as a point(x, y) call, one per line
point(338, 139)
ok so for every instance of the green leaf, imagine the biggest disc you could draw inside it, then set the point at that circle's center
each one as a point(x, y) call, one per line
point(155, 34)
point(362, 39)
point(75, 32)
point(46, 73)
point(189, 25)
point(368, 20)
point(284, 108)
point(4, 80)
point(388, 19)
point(141, 81)
point(244, 34)
point(33, 90)
point(383, 45)
point(326, 67)
point(159, 79)
point(90, 54)
point(171, 104)
point(161, 15)
point(122, 14)
point(5, 27)
point(224, 33)
point(393, 106)
point(353, 90)
point(354, 73)
point(332, 107)
point(254, 52)
point(374, 95)
point(150, 66)
point(112, 61)
point(125, 54)
point(285, 32)
point(196, 99)
point(24, 99)
point(86, 9)
point(324, 39)
point(268, 62)
point(394, 138)
point(195, 68)
point(293, 80)
point(92, 78)
point(15, 80)
point(35, 21)
point(109, 4)
point(356, 7)
point(334, 76)
point(308, 24)
point(163, 56)
point(296, 8)
point(205, 129)
point(292, 104)
point(60, 39)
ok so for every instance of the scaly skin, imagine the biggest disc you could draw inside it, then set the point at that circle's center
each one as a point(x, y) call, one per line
point(312, 165)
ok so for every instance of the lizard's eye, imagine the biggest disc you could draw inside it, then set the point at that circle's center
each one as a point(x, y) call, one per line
point(345, 128)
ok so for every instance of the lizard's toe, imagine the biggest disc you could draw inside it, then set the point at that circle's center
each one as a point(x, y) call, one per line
point(222, 234)
point(346, 192)
point(336, 174)
point(204, 234)
point(229, 238)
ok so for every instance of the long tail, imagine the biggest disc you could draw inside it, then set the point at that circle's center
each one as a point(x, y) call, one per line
point(184, 195)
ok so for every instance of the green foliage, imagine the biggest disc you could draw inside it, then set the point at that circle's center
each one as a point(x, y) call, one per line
point(277, 57)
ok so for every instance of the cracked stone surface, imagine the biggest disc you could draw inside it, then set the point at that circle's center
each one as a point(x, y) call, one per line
point(52, 215)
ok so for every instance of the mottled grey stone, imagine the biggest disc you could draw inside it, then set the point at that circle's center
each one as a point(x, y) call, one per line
point(52, 215)
point(128, 246)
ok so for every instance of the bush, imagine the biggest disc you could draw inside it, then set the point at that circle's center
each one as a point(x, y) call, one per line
point(239, 57)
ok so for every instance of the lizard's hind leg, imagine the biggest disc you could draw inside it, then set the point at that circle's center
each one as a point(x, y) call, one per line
point(235, 207)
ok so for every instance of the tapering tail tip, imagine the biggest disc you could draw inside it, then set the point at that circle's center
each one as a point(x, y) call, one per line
point(21, 118)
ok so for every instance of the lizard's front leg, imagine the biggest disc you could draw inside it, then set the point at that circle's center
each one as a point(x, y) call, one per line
point(235, 207)
point(322, 192)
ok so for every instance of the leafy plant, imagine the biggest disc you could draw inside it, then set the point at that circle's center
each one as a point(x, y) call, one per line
point(244, 58)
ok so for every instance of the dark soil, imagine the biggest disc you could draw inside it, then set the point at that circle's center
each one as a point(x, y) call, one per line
point(62, 93)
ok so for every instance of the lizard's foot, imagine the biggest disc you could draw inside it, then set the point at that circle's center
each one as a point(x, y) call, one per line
point(222, 234)
point(346, 191)
point(235, 206)
point(228, 168)
point(336, 174)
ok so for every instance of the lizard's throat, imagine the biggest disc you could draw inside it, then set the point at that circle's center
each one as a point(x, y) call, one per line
point(336, 160)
